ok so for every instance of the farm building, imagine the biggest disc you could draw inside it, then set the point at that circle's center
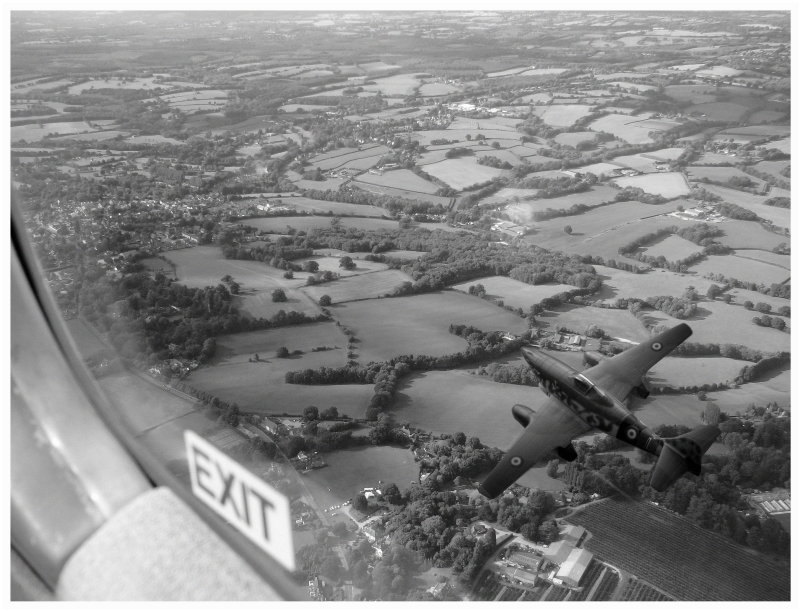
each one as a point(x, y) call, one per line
point(559, 551)
point(574, 567)
point(573, 534)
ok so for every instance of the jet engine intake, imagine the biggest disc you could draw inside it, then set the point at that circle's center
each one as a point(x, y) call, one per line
point(522, 414)
point(567, 452)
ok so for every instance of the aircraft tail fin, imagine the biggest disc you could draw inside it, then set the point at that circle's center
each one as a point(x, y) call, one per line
point(681, 454)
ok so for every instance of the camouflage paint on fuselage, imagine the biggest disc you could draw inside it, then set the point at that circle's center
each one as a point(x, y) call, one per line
point(596, 408)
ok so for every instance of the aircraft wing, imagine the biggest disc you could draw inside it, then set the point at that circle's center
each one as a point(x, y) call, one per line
point(550, 427)
point(618, 375)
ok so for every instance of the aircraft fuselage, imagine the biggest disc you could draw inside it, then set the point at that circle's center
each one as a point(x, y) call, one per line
point(589, 403)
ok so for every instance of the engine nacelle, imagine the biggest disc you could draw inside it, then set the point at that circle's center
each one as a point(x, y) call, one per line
point(592, 358)
point(522, 414)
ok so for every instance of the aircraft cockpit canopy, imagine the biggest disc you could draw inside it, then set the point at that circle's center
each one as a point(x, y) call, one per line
point(587, 388)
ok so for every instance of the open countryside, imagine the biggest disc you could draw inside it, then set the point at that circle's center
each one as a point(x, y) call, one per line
point(320, 241)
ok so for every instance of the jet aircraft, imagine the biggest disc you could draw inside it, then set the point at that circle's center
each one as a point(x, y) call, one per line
point(597, 398)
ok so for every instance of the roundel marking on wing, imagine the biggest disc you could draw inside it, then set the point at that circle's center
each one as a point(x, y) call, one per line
point(516, 461)
point(656, 346)
point(631, 433)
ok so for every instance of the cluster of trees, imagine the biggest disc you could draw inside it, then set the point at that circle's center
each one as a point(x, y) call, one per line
point(494, 162)
point(148, 329)
point(776, 322)
point(779, 202)
point(574, 209)
point(783, 291)
point(393, 204)
point(677, 307)
point(458, 151)
point(733, 211)
point(509, 374)
point(758, 458)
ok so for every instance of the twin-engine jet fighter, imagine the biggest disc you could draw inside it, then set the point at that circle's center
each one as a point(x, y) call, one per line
point(596, 399)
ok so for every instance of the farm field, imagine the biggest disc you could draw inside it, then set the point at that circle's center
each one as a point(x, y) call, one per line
point(261, 386)
point(784, 145)
point(624, 127)
point(721, 323)
point(419, 325)
point(773, 168)
point(507, 194)
point(33, 132)
point(748, 270)
point(363, 286)
point(667, 184)
point(718, 111)
point(573, 138)
point(437, 89)
point(619, 324)
point(601, 231)
point(117, 83)
point(710, 568)
point(462, 173)
point(329, 161)
point(513, 292)
point(619, 283)
point(641, 163)
point(320, 207)
point(280, 224)
point(143, 401)
point(781, 217)
point(693, 371)
point(766, 256)
point(384, 190)
point(85, 338)
point(562, 115)
point(742, 295)
point(749, 234)
point(351, 470)
point(259, 304)
point(202, 266)
point(330, 262)
point(773, 388)
point(400, 179)
point(673, 248)
point(720, 174)
point(523, 212)
point(455, 400)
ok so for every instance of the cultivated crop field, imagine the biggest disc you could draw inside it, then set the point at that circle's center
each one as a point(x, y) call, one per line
point(667, 184)
point(116, 83)
point(619, 283)
point(419, 325)
point(766, 256)
point(260, 386)
point(507, 194)
point(748, 270)
point(672, 247)
point(362, 286)
point(259, 304)
point(513, 292)
point(280, 224)
point(562, 115)
point(678, 557)
point(619, 324)
point(462, 173)
point(400, 179)
point(719, 111)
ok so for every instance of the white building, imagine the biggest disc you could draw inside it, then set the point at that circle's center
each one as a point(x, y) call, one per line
point(574, 567)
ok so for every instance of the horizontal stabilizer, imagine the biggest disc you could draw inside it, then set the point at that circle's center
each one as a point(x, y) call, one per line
point(682, 454)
